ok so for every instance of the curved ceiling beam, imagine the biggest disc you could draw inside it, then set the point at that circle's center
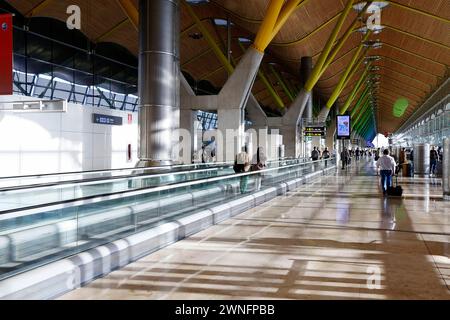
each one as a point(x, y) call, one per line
point(412, 9)
point(243, 18)
point(412, 53)
point(37, 8)
point(131, 12)
point(383, 75)
point(382, 68)
point(390, 59)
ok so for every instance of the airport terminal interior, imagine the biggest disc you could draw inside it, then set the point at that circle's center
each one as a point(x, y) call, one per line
point(224, 150)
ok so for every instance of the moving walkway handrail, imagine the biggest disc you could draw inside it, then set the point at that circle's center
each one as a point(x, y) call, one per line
point(19, 212)
point(120, 169)
point(80, 182)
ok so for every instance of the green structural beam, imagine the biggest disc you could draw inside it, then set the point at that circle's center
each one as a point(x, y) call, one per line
point(355, 90)
point(282, 83)
point(361, 113)
point(362, 99)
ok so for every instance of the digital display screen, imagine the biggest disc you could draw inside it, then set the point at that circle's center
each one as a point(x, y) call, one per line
point(107, 120)
point(343, 127)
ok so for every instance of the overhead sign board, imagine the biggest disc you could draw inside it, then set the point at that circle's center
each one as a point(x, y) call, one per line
point(344, 130)
point(107, 119)
point(314, 131)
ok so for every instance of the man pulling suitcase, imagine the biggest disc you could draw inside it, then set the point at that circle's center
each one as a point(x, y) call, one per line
point(387, 166)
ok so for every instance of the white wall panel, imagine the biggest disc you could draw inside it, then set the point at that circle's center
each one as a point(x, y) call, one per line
point(37, 143)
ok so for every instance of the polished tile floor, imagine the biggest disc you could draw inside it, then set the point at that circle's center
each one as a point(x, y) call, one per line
point(334, 239)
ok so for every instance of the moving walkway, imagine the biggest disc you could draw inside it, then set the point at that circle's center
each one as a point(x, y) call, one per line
point(33, 236)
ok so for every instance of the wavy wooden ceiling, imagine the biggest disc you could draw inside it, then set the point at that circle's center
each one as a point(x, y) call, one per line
point(415, 53)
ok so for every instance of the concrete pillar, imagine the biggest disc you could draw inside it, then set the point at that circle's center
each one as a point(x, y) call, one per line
point(422, 158)
point(305, 73)
point(330, 137)
point(230, 134)
point(159, 79)
point(446, 169)
point(188, 130)
point(291, 141)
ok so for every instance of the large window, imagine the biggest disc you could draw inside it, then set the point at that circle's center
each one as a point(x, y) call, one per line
point(47, 87)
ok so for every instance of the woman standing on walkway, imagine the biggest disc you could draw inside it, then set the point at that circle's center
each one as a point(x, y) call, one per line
point(242, 165)
point(259, 163)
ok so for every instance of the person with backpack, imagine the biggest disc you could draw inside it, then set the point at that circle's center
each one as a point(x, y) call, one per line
point(434, 157)
point(259, 163)
point(242, 165)
point(325, 156)
point(315, 154)
point(204, 154)
point(387, 166)
point(345, 155)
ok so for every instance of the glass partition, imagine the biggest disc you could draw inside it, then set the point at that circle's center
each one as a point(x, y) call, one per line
point(36, 236)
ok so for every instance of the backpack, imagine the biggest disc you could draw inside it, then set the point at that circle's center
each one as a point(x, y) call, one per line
point(240, 163)
point(315, 154)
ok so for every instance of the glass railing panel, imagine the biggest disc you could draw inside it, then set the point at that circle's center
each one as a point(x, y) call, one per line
point(35, 237)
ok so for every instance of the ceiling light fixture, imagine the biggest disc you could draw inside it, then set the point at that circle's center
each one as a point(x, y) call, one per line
point(196, 35)
point(375, 30)
point(373, 6)
point(196, 2)
point(374, 44)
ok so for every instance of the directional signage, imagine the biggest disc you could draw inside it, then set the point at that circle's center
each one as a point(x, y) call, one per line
point(314, 132)
point(107, 119)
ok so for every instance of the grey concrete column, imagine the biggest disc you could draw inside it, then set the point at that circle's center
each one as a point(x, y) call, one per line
point(446, 169)
point(230, 133)
point(231, 103)
point(422, 158)
point(159, 79)
point(306, 68)
point(305, 72)
point(189, 131)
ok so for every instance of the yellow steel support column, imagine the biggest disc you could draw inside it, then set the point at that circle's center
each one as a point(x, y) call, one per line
point(131, 12)
point(282, 83)
point(315, 76)
point(209, 38)
point(268, 25)
point(342, 41)
point(288, 9)
point(346, 76)
point(355, 90)
point(41, 5)
point(353, 71)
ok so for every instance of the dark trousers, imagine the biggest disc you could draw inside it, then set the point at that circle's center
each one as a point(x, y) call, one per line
point(433, 165)
point(386, 179)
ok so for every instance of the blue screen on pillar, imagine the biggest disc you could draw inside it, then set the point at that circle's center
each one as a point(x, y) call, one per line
point(343, 126)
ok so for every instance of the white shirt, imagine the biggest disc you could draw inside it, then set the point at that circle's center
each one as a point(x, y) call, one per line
point(386, 163)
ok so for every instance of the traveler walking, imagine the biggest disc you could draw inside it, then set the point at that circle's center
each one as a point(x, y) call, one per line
point(434, 157)
point(326, 156)
point(345, 156)
point(259, 163)
point(386, 164)
point(242, 165)
point(315, 154)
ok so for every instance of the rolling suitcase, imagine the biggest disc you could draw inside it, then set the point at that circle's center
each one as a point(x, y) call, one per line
point(396, 191)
